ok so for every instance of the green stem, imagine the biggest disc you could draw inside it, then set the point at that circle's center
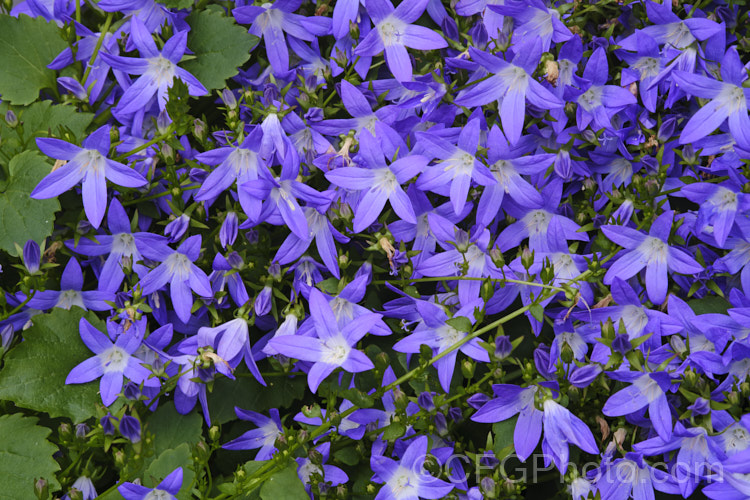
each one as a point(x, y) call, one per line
point(145, 145)
point(98, 46)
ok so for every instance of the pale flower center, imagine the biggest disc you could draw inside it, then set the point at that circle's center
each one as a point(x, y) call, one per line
point(114, 359)
point(123, 243)
point(70, 298)
point(335, 351)
point(385, 180)
point(162, 70)
point(178, 265)
point(591, 98)
point(90, 160)
point(158, 495)
point(390, 31)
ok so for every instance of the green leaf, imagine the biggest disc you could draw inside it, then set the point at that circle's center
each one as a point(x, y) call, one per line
point(34, 373)
point(709, 304)
point(460, 323)
point(349, 455)
point(171, 429)
point(25, 455)
point(284, 485)
point(41, 119)
point(247, 393)
point(220, 45)
point(503, 433)
point(22, 217)
point(394, 431)
point(176, 4)
point(168, 462)
point(537, 312)
point(27, 46)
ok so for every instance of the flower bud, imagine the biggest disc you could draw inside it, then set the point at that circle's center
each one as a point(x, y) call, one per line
point(11, 119)
point(32, 256)
point(503, 346)
point(130, 428)
point(41, 489)
point(228, 97)
point(177, 228)
point(228, 232)
point(263, 301)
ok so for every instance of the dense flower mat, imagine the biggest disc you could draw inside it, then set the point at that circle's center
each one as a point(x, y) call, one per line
point(346, 249)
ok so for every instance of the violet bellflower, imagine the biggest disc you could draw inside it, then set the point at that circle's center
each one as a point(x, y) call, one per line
point(269, 22)
point(458, 166)
point(123, 248)
point(438, 332)
point(88, 164)
point(651, 251)
point(646, 389)
point(280, 194)
point(70, 293)
point(178, 270)
point(242, 163)
point(113, 361)
point(561, 427)
point(394, 32)
point(264, 437)
point(333, 347)
point(511, 84)
point(729, 101)
point(323, 232)
point(408, 479)
point(158, 69)
point(378, 182)
point(165, 490)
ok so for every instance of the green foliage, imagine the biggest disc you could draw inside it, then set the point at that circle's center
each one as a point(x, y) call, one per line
point(284, 485)
point(171, 429)
point(25, 455)
point(246, 393)
point(176, 4)
point(34, 373)
point(27, 46)
point(41, 119)
point(168, 461)
point(220, 46)
point(24, 218)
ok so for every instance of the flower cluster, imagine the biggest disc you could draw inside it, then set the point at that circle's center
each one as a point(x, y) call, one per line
point(408, 243)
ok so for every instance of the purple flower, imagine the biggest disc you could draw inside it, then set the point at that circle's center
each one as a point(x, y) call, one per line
point(182, 275)
point(438, 331)
point(560, 425)
point(158, 69)
point(124, 247)
point(113, 361)
point(270, 21)
point(70, 293)
point(407, 479)
point(88, 164)
point(646, 389)
point(729, 101)
point(166, 490)
point(378, 183)
point(394, 32)
point(333, 347)
point(280, 198)
point(652, 252)
point(458, 165)
point(264, 437)
point(511, 84)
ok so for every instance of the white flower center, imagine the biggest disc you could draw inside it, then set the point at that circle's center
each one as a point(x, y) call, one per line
point(161, 69)
point(385, 180)
point(335, 351)
point(90, 160)
point(401, 484)
point(461, 163)
point(114, 359)
point(178, 265)
point(70, 298)
point(592, 98)
point(390, 30)
point(123, 243)
point(158, 495)
point(732, 97)
point(654, 249)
